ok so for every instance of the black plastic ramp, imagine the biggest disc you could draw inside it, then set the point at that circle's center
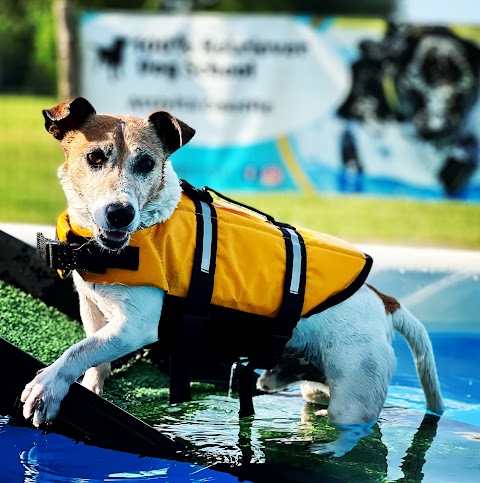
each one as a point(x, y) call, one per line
point(84, 416)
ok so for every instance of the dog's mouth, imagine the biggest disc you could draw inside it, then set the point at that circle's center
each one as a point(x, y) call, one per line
point(114, 239)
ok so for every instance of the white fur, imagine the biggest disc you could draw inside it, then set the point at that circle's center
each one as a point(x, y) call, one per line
point(350, 342)
point(132, 314)
point(162, 207)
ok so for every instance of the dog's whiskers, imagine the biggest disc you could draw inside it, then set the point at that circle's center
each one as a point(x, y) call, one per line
point(88, 242)
point(71, 198)
point(75, 194)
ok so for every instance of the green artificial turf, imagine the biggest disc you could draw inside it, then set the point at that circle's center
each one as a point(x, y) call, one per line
point(28, 323)
point(45, 333)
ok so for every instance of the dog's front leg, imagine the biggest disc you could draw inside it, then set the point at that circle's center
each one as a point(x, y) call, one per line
point(93, 320)
point(133, 323)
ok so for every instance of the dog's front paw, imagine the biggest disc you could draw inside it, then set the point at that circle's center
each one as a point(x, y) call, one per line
point(42, 397)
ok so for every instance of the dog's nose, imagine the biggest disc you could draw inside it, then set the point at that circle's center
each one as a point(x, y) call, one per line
point(120, 216)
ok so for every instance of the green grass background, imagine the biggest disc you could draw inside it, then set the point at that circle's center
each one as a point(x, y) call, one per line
point(30, 192)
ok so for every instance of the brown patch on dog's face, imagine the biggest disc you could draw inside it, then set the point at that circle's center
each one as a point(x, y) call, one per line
point(391, 303)
point(111, 146)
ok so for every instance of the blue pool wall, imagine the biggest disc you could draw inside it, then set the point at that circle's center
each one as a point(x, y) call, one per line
point(440, 286)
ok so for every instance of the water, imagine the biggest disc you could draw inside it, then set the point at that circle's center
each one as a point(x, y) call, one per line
point(404, 446)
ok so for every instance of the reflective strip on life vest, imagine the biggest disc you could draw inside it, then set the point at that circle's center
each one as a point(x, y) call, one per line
point(207, 237)
point(296, 263)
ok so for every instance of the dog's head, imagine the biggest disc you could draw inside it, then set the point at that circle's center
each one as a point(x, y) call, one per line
point(116, 175)
point(437, 81)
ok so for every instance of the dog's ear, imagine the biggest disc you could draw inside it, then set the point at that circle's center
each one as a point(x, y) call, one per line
point(173, 132)
point(67, 116)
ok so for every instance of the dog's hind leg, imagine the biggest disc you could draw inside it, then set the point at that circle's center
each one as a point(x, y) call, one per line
point(315, 392)
point(93, 320)
point(356, 399)
point(351, 415)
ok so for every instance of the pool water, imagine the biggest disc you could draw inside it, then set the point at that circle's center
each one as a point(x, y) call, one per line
point(405, 445)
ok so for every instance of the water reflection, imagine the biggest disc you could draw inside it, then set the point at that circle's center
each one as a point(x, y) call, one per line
point(405, 446)
point(412, 466)
point(284, 428)
point(30, 456)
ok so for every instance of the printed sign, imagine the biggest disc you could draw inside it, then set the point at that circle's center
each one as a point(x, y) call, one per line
point(297, 102)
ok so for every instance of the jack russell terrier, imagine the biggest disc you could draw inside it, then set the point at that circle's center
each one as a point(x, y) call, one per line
point(118, 182)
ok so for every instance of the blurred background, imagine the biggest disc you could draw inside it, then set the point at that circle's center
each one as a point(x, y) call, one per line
point(360, 119)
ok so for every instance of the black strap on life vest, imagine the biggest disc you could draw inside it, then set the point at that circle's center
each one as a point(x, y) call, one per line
point(285, 322)
point(200, 294)
point(197, 304)
point(80, 253)
point(267, 217)
point(293, 291)
point(289, 313)
point(293, 298)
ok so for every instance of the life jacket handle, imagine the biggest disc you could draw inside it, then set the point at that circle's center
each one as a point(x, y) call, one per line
point(204, 195)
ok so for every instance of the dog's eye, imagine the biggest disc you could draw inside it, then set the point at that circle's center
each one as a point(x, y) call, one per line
point(144, 164)
point(96, 158)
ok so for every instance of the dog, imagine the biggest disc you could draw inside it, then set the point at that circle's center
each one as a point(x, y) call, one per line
point(117, 179)
point(427, 77)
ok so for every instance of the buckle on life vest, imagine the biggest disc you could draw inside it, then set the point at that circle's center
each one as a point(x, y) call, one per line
point(84, 256)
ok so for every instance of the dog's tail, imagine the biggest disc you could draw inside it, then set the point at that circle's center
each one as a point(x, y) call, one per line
point(419, 342)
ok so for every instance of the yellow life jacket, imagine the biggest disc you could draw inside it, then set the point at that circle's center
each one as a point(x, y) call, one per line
point(236, 283)
point(250, 261)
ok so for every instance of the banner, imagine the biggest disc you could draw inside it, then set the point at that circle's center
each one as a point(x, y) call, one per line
point(298, 102)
